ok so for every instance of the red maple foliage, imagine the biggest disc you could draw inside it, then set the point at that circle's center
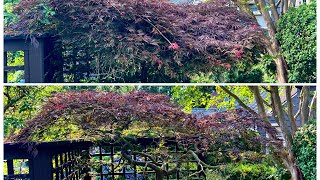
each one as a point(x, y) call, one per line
point(100, 115)
point(174, 46)
point(146, 28)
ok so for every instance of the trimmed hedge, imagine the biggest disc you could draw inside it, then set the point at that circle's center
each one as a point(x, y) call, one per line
point(304, 146)
point(297, 36)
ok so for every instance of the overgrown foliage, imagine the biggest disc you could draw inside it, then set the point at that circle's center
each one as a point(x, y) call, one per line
point(145, 40)
point(304, 147)
point(297, 35)
point(96, 115)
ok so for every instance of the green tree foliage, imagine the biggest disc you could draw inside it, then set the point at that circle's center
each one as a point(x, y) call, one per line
point(248, 171)
point(192, 96)
point(21, 103)
point(297, 35)
point(212, 96)
point(9, 16)
point(305, 148)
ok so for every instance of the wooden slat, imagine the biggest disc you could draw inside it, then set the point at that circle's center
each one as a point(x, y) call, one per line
point(16, 45)
point(13, 68)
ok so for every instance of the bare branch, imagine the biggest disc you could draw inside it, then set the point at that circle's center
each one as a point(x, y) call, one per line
point(313, 105)
point(261, 5)
point(274, 11)
point(241, 103)
point(278, 3)
point(278, 112)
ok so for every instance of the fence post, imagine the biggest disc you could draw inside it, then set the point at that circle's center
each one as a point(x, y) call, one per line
point(41, 166)
point(36, 62)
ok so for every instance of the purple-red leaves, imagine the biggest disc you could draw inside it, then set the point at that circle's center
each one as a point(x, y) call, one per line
point(136, 30)
point(94, 111)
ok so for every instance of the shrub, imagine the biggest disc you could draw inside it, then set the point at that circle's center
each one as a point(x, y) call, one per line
point(304, 146)
point(246, 171)
point(297, 36)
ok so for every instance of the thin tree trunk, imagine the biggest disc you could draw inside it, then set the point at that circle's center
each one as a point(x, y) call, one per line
point(293, 124)
point(287, 154)
point(271, 42)
point(281, 118)
point(282, 71)
point(313, 106)
point(305, 105)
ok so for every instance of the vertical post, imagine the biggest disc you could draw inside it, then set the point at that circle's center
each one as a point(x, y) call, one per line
point(5, 63)
point(36, 62)
point(10, 167)
point(26, 66)
point(41, 166)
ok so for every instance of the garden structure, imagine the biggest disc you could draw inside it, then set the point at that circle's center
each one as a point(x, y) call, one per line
point(37, 54)
point(64, 160)
point(132, 136)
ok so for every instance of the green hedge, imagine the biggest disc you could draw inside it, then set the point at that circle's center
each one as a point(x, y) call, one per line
point(304, 146)
point(297, 36)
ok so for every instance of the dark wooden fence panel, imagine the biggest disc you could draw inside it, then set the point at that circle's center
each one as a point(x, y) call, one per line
point(42, 160)
point(61, 161)
point(33, 57)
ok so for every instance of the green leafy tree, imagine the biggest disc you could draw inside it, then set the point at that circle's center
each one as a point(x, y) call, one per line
point(304, 146)
point(21, 103)
point(9, 16)
point(297, 35)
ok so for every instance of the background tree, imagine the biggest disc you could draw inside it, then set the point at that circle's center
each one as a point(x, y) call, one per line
point(304, 146)
point(297, 35)
point(22, 103)
point(271, 15)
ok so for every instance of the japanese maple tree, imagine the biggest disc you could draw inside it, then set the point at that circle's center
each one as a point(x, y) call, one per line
point(95, 115)
point(143, 38)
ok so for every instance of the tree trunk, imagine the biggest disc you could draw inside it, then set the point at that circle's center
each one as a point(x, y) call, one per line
point(282, 76)
point(293, 124)
point(305, 105)
point(290, 164)
point(313, 106)
point(277, 107)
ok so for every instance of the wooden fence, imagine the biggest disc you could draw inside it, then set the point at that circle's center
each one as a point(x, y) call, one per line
point(64, 160)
